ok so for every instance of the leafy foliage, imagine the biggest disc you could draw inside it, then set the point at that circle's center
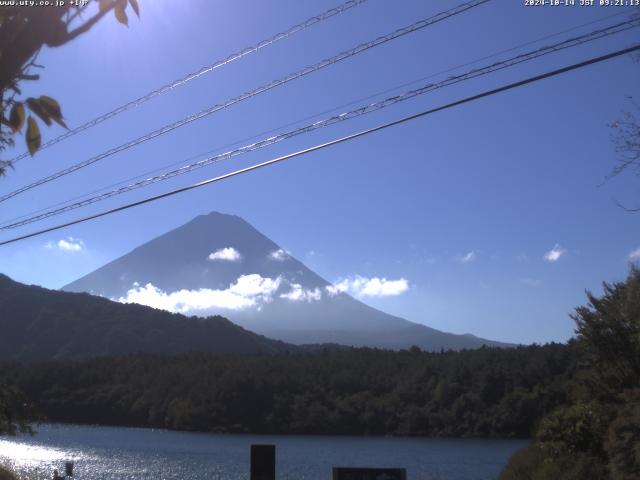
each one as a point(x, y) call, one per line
point(480, 393)
point(623, 438)
point(24, 31)
point(7, 474)
point(598, 435)
point(626, 138)
point(534, 464)
point(608, 330)
point(15, 411)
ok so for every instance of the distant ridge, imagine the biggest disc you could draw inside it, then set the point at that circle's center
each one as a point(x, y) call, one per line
point(40, 324)
point(179, 260)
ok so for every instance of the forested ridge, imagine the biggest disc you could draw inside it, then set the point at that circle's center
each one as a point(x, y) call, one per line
point(41, 324)
point(484, 392)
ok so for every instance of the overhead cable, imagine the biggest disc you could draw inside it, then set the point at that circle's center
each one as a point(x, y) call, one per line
point(372, 107)
point(346, 138)
point(193, 75)
point(419, 25)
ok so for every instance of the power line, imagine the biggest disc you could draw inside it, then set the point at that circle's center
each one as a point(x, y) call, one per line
point(264, 88)
point(193, 75)
point(309, 117)
point(379, 105)
point(352, 136)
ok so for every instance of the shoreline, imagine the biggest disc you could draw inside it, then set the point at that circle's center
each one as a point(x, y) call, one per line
point(56, 424)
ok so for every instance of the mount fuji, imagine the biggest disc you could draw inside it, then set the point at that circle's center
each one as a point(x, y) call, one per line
point(225, 266)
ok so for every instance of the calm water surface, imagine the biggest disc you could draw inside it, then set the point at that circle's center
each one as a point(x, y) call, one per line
point(141, 454)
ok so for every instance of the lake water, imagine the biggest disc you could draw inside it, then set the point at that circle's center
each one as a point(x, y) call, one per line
point(135, 453)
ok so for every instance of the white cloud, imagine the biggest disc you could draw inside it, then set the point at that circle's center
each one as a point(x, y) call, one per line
point(471, 256)
point(359, 286)
point(68, 244)
point(247, 292)
point(635, 255)
point(555, 253)
point(228, 254)
point(279, 255)
point(299, 294)
point(335, 289)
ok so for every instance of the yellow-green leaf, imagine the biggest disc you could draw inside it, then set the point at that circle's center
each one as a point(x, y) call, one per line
point(136, 8)
point(35, 106)
point(16, 117)
point(33, 135)
point(106, 5)
point(120, 14)
point(52, 107)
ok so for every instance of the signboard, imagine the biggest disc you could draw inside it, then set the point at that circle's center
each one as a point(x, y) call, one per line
point(350, 473)
point(263, 462)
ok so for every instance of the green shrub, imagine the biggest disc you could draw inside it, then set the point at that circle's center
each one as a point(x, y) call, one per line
point(533, 463)
point(7, 474)
point(598, 436)
point(623, 439)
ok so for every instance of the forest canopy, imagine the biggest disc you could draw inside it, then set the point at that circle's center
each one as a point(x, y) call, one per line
point(484, 392)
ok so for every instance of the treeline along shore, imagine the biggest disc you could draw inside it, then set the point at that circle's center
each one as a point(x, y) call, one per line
point(487, 392)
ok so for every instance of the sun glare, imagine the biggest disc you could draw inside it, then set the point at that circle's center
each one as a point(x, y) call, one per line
point(23, 454)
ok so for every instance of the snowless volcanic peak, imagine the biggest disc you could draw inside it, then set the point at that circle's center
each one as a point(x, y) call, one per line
point(220, 264)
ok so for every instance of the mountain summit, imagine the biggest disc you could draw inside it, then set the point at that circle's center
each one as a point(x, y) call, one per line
point(220, 264)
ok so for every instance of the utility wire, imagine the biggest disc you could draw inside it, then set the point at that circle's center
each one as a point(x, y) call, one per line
point(193, 75)
point(316, 115)
point(319, 114)
point(266, 87)
point(524, 57)
point(352, 136)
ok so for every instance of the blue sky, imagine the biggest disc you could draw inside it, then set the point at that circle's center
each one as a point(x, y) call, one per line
point(463, 204)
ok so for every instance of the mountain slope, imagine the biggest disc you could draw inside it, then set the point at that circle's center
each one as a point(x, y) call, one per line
point(177, 260)
point(39, 324)
point(217, 259)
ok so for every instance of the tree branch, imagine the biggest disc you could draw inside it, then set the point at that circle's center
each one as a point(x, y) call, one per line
point(626, 209)
point(84, 27)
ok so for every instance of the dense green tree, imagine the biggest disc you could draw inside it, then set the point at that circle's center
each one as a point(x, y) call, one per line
point(608, 330)
point(597, 436)
point(14, 411)
point(622, 443)
point(334, 391)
